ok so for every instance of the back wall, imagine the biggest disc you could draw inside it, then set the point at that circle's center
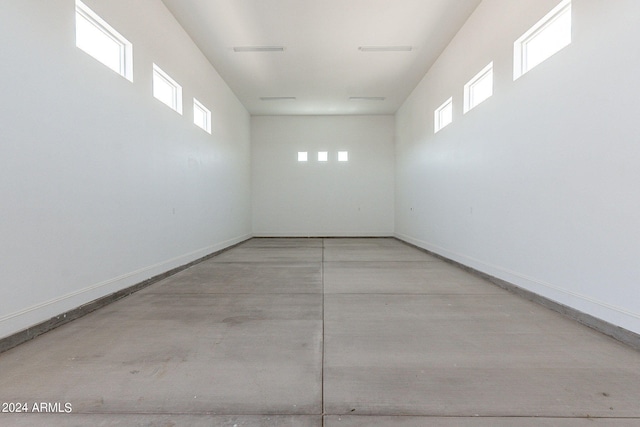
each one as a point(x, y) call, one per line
point(332, 198)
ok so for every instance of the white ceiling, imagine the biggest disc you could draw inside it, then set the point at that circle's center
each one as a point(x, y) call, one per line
point(321, 65)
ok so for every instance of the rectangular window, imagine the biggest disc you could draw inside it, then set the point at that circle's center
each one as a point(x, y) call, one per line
point(443, 115)
point(548, 36)
point(201, 116)
point(166, 90)
point(323, 156)
point(100, 40)
point(479, 88)
point(343, 156)
point(302, 156)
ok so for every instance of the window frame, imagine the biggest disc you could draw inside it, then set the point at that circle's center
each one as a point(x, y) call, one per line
point(197, 105)
point(125, 68)
point(438, 124)
point(520, 66)
point(176, 92)
point(469, 101)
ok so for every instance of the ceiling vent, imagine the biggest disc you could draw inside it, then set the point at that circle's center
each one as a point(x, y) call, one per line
point(277, 98)
point(367, 98)
point(385, 48)
point(258, 49)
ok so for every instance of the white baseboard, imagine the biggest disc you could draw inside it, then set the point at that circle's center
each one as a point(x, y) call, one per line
point(19, 320)
point(607, 312)
point(324, 234)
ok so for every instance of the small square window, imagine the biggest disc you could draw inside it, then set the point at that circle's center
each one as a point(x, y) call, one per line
point(479, 88)
point(97, 38)
point(302, 156)
point(201, 116)
point(443, 115)
point(343, 156)
point(546, 37)
point(166, 90)
point(323, 156)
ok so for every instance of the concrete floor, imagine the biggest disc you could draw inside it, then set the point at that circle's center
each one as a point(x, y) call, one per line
point(333, 332)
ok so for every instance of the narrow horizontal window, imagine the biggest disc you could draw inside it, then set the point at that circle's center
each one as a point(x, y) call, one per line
point(343, 156)
point(97, 38)
point(201, 116)
point(166, 90)
point(545, 38)
point(323, 156)
point(302, 156)
point(443, 115)
point(479, 88)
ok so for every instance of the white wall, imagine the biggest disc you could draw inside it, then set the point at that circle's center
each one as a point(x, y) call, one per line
point(101, 185)
point(539, 184)
point(322, 199)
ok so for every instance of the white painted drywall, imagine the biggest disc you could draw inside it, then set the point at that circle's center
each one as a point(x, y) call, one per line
point(539, 184)
point(101, 185)
point(322, 199)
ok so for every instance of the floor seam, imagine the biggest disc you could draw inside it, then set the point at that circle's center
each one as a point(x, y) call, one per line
point(323, 337)
point(233, 293)
point(411, 293)
point(285, 414)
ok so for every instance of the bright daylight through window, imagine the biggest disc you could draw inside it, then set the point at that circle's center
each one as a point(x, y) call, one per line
point(479, 88)
point(443, 115)
point(101, 41)
point(201, 116)
point(166, 90)
point(548, 36)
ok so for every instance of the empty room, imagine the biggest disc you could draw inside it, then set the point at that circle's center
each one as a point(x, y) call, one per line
point(335, 213)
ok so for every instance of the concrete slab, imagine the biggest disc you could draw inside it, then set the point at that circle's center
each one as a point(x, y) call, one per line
point(283, 242)
point(409, 340)
point(222, 354)
point(234, 278)
point(498, 322)
point(402, 278)
point(373, 252)
point(266, 254)
point(453, 355)
point(148, 420)
point(364, 421)
point(375, 242)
